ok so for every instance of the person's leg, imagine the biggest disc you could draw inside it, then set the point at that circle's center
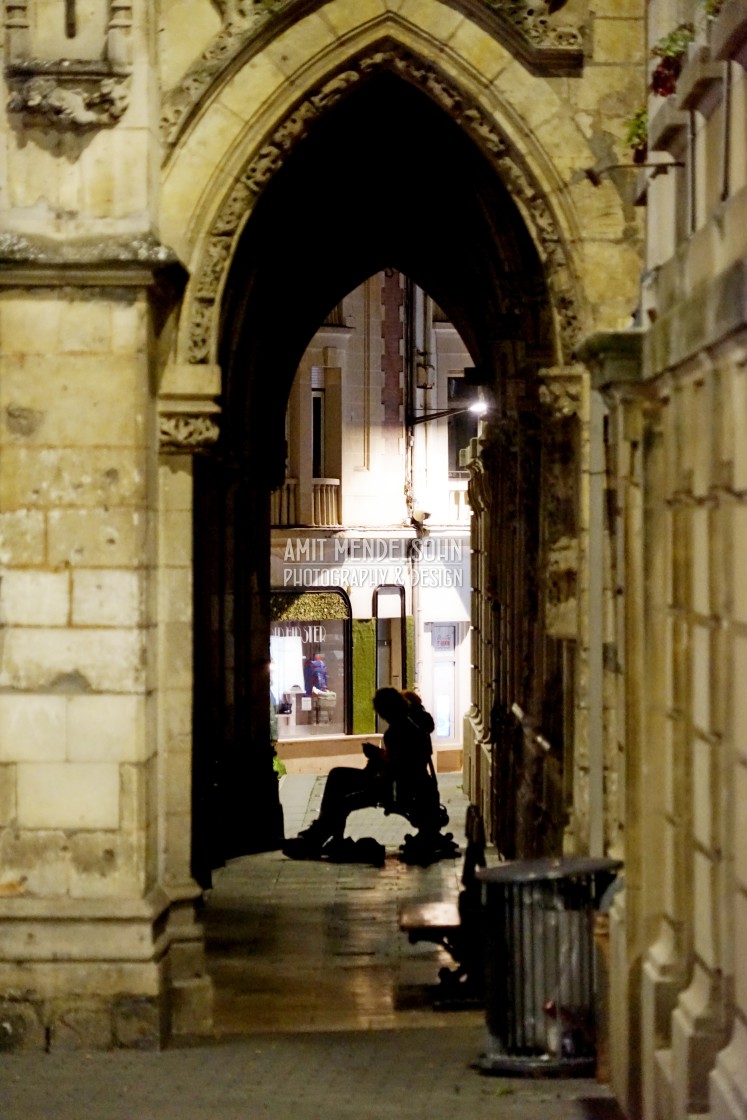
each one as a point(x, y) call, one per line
point(346, 789)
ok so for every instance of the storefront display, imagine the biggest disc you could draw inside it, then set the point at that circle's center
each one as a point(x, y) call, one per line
point(309, 664)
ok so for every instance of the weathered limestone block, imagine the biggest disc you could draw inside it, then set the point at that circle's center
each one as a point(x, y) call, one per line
point(34, 863)
point(34, 598)
point(8, 809)
point(178, 50)
point(106, 727)
point(342, 17)
point(136, 1023)
point(79, 660)
point(619, 39)
point(97, 538)
point(67, 477)
point(68, 795)
point(305, 37)
point(108, 598)
point(80, 1028)
point(738, 514)
point(32, 727)
point(192, 1006)
point(133, 808)
point(20, 1025)
point(22, 538)
point(107, 864)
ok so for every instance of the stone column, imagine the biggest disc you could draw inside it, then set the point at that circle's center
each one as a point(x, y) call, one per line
point(616, 658)
point(728, 1079)
point(88, 833)
point(188, 426)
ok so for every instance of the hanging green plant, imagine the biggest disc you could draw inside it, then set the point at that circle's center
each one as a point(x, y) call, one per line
point(636, 134)
point(670, 50)
point(712, 7)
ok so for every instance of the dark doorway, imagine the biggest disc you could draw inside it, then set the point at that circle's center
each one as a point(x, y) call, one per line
point(385, 180)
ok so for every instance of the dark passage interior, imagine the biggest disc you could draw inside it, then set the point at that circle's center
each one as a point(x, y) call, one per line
point(384, 180)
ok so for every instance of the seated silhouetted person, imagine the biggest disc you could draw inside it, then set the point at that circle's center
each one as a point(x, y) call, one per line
point(396, 776)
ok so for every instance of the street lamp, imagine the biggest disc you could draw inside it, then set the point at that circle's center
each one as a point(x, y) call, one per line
point(477, 408)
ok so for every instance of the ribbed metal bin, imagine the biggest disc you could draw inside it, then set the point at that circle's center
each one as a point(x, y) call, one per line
point(540, 965)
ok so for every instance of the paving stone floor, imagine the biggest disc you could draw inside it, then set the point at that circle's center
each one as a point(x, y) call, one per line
point(322, 1008)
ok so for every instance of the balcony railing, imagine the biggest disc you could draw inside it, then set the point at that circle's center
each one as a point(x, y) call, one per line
point(459, 507)
point(325, 501)
point(285, 503)
point(283, 509)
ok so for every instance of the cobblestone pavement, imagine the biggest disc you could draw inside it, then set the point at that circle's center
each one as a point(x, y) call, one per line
point(322, 1009)
point(418, 1074)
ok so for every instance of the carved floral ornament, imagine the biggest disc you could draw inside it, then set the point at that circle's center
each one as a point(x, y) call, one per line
point(182, 432)
point(218, 252)
point(68, 93)
point(561, 391)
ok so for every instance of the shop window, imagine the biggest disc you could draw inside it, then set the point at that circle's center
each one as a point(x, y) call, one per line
point(310, 663)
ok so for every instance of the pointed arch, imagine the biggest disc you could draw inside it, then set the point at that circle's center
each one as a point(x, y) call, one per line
point(260, 114)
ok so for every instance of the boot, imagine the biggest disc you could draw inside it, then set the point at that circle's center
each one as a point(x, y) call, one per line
point(308, 844)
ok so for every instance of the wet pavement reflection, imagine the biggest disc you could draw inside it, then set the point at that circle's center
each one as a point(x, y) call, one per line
point(307, 945)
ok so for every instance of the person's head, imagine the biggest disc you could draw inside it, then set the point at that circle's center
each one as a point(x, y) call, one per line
point(390, 704)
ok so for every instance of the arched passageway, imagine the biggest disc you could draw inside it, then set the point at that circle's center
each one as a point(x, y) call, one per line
point(385, 179)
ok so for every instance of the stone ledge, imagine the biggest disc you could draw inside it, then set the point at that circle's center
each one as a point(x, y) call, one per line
point(87, 909)
point(729, 32)
point(668, 128)
point(708, 315)
point(700, 85)
point(613, 356)
point(28, 260)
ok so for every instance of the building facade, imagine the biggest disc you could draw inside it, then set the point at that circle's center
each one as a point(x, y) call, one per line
point(673, 393)
point(180, 213)
point(370, 563)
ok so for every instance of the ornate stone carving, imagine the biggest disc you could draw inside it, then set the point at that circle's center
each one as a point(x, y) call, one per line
point(186, 432)
point(529, 21)
point(73, 94)
point(201, 320)
point(295, 128)
point(533, 20)
point(49, 94)
point(561, 391)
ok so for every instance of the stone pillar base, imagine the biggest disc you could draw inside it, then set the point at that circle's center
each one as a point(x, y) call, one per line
point(661, 982)
point(102, 975)
point(75, 1006)
point(696, 1041)
point(728, 1096)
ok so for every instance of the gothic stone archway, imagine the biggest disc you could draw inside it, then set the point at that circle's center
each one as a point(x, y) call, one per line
point(385, 178)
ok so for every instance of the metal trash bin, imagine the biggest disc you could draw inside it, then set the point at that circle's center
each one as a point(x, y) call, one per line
point(540, 965)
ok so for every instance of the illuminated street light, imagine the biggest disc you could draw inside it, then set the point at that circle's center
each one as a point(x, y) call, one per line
point(477, 408)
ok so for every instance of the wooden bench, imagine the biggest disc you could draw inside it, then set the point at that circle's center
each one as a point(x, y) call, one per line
point(455, 925)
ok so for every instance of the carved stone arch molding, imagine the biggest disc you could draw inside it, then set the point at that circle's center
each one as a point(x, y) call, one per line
point(200, 338)
point(537, 32)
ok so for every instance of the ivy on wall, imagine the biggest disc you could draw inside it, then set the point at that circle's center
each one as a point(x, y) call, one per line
point(305, 606)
